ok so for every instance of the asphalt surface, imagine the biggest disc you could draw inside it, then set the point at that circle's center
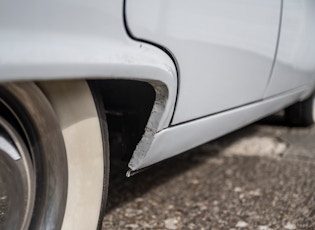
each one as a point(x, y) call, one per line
point(261, 177)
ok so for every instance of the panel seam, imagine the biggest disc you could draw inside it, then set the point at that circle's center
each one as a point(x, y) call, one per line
point(167, 51)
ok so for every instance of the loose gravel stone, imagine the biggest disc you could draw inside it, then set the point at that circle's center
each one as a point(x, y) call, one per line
point(290, 226)
point(241, 224)
point(171, 223)
point(263, 227)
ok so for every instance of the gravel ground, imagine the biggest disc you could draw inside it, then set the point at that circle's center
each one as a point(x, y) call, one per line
point(261, 177)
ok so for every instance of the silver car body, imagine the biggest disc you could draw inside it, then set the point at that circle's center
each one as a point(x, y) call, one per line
point(216, 65)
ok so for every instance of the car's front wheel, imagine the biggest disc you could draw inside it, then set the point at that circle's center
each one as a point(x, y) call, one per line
point(300, 113)
point(53, 166)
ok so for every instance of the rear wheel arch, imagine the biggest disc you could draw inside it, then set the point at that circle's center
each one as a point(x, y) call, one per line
point(80, 120)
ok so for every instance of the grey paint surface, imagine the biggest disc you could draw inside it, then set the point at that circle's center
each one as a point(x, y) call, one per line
point(224, 49)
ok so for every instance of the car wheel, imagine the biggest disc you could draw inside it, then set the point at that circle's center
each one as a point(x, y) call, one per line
point(300, 113)
point(53, 166)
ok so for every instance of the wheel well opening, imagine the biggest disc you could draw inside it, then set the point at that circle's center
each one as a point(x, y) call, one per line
point(127, 105)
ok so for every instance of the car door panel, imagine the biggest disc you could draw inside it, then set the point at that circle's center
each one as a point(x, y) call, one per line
point(224, 48)
point(295, 62)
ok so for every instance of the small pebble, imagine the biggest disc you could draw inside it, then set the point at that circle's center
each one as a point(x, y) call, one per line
point(290, 226)
point(241, 224)
point(171, 223)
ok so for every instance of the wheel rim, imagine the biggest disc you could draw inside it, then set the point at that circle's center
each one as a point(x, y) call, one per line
point(17, 179)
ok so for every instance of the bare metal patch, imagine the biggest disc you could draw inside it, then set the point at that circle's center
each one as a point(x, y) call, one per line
point(152, 125)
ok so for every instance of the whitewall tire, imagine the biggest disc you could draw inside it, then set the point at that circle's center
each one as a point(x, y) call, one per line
point(54, 153)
